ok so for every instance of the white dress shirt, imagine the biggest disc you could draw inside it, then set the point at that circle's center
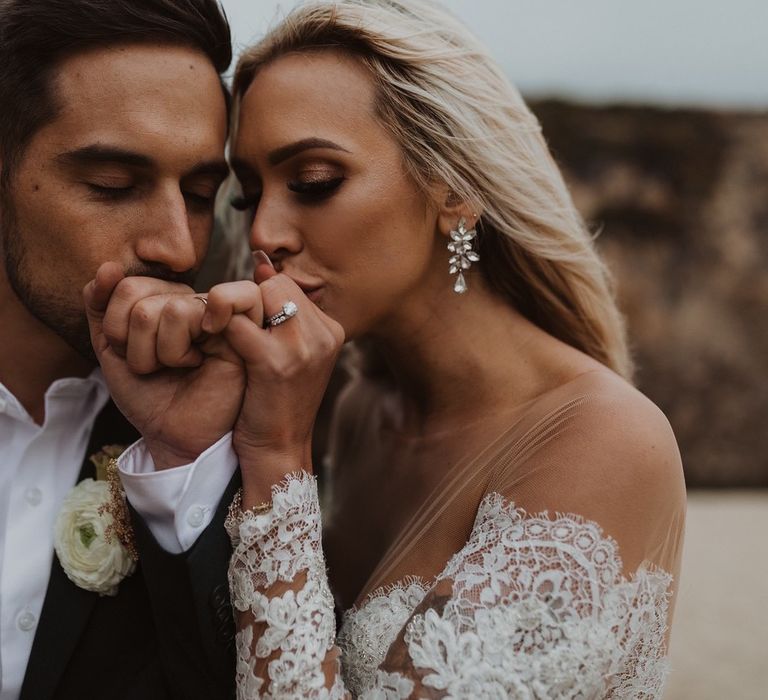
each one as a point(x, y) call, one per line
point(38, 467)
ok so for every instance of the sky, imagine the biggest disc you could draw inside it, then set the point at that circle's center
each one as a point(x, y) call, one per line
point(669, 52)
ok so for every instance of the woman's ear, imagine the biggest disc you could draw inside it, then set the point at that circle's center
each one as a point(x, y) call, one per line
point(452, 208)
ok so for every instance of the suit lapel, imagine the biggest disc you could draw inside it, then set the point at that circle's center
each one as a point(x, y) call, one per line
point(67, 607)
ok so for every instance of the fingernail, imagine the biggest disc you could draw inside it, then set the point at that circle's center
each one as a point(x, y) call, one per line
point(261, 258)
point(206, 323)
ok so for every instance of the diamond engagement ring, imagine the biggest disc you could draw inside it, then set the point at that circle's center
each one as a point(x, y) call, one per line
point(289, 310)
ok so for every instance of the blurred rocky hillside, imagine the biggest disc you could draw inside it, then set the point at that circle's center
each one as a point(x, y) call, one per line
point(681, 200)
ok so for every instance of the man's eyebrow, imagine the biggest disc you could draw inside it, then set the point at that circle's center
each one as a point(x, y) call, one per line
point(94, 154)
point(284, 152)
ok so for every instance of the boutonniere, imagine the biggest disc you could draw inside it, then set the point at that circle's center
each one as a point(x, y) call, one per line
point(92, 535)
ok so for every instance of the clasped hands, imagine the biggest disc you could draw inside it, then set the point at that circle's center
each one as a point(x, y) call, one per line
point(185, 373)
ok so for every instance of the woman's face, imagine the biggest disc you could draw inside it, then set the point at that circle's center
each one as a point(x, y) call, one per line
point(332, 204)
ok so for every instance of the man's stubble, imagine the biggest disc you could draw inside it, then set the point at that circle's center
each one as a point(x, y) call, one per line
point(55, 310)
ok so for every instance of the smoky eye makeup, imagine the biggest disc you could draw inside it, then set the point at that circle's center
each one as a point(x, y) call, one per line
point(316, 183)
point(316, 188)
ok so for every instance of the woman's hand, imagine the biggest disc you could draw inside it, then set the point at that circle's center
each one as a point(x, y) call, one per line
point(287, 368)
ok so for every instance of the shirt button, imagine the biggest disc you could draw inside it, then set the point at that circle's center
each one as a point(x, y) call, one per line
point(33, 495)
point(195, 516)
point(26, 621)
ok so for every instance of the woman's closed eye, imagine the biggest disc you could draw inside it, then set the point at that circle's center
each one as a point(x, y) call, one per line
point(316, 185)
point(309, 185)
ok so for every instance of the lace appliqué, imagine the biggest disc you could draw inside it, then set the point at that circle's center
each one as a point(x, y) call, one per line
point(367, 633)
point(538, 609)
point(296, 628)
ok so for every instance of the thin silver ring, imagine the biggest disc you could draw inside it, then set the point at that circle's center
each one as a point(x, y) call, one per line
point(289, 310)
point(202, 298)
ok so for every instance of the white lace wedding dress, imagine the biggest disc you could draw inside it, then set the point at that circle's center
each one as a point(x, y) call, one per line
point(533, 605)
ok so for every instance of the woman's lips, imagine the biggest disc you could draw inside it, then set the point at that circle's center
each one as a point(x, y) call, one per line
point(313, 289)
point(313, 294)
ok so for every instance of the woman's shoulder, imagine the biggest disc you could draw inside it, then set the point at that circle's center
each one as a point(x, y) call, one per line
point(598, 431)
point(604, 411)
point(605, 452)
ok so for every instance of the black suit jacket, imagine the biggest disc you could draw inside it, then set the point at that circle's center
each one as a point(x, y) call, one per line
point(168, 633)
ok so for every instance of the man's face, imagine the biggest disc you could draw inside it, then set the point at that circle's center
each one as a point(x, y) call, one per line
point(126, 172)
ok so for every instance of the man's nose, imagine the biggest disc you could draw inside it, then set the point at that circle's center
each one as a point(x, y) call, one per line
point(165, 236)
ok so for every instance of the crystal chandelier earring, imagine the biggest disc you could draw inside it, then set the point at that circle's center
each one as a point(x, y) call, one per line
point(462, 254)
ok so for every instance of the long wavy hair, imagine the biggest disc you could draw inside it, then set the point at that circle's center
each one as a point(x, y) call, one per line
point(459, 121)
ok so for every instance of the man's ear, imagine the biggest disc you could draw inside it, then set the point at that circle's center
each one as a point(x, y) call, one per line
point(451, 209)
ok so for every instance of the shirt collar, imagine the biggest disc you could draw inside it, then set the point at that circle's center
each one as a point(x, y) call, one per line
point(80, 394)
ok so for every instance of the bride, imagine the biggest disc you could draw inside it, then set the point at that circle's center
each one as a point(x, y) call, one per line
point(502, 510)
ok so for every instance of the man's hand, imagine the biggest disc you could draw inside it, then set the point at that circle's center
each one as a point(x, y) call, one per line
point(181, 390)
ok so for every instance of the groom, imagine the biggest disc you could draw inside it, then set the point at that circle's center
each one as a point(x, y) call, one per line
point(113, 119)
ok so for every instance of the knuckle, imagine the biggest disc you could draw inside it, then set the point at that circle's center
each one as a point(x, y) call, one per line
point(304, 355)
point(142, 316)
point(175, 309)
point(115, 333)
point(129, 288)
point(217, 300)
point(273, 285)
point(216, 293)
point(329, 343)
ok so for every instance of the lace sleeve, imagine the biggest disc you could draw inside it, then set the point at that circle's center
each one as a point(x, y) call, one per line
point(531, 607)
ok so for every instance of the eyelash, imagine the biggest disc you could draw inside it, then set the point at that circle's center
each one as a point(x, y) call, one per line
point(316, 190)
point(115, 194)
point(309, 192)
point(111, 193)
point(244, 203)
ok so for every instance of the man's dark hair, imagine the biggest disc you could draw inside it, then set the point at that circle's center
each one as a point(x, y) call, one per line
point(37, 35)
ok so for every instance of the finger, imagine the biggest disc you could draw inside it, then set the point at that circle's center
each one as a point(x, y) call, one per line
point(308, 334)
point(179, 327)
point(252, 343)
point(300, 339)
point(96, 295)
point(310, 319)
point(103, 285)
point(278, 291)
point(143, 324)
point(125, 296)
point(228, 299)
point(263, 268)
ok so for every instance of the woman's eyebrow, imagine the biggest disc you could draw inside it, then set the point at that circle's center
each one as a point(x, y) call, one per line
point(284, 152)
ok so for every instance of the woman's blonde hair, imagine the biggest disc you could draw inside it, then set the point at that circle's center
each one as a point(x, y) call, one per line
point(460, 122)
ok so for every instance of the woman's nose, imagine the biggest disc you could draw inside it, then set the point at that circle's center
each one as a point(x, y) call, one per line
point(272, 232)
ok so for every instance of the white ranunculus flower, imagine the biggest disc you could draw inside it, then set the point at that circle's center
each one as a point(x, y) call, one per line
point(89, 560)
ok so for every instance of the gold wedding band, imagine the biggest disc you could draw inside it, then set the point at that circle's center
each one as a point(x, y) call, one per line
point(203, 299)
